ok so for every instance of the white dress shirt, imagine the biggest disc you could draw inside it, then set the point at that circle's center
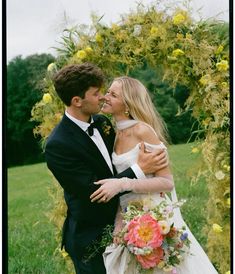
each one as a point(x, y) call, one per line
point(97, 139)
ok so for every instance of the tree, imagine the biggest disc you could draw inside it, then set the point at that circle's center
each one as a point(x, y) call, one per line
point(24, 78)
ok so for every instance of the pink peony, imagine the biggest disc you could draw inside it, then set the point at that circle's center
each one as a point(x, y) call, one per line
point(144, 231)
point(151, 260)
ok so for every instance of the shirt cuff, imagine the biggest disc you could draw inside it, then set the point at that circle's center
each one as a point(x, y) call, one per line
point(138, 171)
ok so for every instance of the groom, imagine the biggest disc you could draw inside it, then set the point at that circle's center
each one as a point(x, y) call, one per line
point(78, 153)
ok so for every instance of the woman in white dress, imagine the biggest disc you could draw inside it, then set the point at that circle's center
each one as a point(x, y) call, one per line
point(139, 126)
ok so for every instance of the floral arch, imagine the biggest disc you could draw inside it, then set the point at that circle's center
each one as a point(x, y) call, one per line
point(195, 54)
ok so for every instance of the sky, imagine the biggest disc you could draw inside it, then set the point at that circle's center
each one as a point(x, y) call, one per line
point(35, 26)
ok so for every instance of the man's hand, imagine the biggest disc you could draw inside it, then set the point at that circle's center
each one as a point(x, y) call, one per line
point(151, 162)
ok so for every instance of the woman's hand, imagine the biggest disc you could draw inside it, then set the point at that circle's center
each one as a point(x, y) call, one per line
point(152, 162)
point(109, 188)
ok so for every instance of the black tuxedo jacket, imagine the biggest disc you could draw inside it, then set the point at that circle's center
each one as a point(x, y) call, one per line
point(77, 163)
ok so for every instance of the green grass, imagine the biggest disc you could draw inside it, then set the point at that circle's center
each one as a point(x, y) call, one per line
point(31, 236)
point(183, 164)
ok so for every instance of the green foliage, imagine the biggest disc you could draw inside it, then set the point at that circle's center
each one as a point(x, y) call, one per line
point(31, 237)
point(192, 55)
point(24, 86)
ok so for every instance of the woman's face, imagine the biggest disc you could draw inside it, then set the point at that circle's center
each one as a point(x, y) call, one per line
point(113, 100)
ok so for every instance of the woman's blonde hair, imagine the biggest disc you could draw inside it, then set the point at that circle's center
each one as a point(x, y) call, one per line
point(140, 105)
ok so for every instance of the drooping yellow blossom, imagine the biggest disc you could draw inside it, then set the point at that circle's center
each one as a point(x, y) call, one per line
point(154, 30)
point(224, 84)
point(177, 52)
point(226, 167)
point(179, 18)
point(222, 65)
point(228, 202)
point(188, 36)
point(88, 50)
point(228, 272)
point(179, 36)
point(64, 253)
point(206, 121)
point(47, 98)
point(99, 38)
point(195, 150)
point(205, 79)
point(81, 54)
point(51, 67)
point(219, 49)
point(217, 228)
point(219, 175)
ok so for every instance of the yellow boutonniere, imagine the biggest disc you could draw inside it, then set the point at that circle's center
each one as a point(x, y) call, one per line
point(106, 128)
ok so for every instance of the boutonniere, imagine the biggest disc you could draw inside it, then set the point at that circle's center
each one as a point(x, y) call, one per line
point(106, 128)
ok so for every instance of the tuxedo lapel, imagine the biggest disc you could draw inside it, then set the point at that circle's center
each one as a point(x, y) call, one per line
point(105, 135)
point(85, 143)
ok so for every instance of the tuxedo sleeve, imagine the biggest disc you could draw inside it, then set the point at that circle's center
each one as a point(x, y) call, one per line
point(72, 173)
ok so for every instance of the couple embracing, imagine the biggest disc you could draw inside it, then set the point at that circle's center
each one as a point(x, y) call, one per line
point(101, 170)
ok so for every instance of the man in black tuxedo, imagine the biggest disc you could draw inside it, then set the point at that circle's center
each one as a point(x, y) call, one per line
point(78, 154)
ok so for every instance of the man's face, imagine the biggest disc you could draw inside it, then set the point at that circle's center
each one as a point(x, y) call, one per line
point(92, 101)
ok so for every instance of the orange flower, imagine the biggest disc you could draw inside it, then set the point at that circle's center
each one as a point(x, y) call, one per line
point(151, 260)
point(144, 231)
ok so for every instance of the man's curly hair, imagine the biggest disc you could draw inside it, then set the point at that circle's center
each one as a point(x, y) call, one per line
point(75, 80)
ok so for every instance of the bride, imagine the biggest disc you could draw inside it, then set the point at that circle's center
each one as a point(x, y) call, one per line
point(139, 126)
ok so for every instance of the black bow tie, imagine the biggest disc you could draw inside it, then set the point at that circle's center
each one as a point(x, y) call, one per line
point(91, 128)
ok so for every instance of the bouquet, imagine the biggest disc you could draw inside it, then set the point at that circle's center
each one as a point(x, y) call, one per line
point(150, 235)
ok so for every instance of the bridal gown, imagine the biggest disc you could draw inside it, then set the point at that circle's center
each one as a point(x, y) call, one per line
point(117, 259)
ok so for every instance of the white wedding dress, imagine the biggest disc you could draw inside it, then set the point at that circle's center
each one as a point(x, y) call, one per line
point(118, 260)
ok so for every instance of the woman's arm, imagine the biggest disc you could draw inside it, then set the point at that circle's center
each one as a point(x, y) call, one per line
point(111, 187)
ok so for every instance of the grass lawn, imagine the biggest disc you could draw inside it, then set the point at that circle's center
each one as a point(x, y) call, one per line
point(31, 236)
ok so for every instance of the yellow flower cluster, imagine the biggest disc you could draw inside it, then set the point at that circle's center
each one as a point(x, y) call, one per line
point(81, 54)
point(224, 84)
point(154, 31)
point(64, 253)
point(47, 98)
point(195, 150)
point(177, 52)
point(217, 228)
point(205, 79)
point(222, 65)
point(226, 167)
point(219, 49)
point(179, 18)
point(98, 39)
